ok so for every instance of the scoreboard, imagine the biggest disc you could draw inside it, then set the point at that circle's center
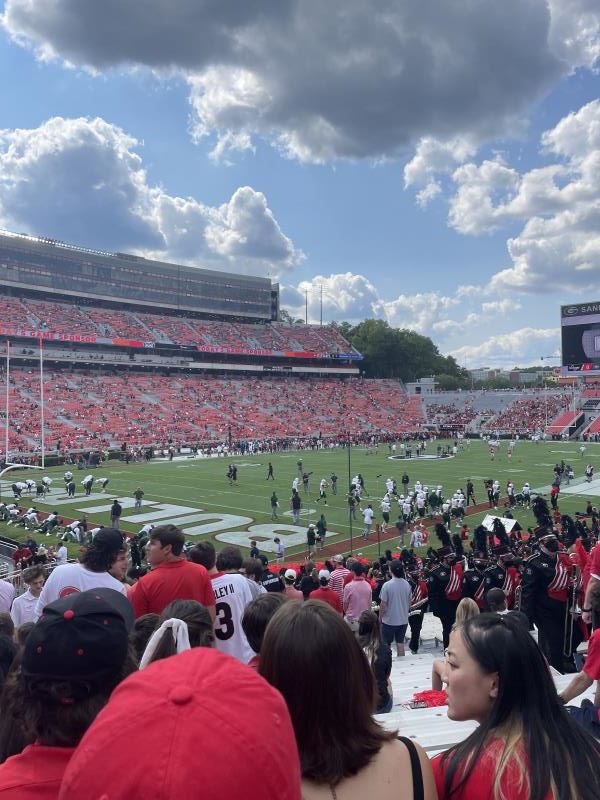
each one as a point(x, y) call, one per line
point(580, 339)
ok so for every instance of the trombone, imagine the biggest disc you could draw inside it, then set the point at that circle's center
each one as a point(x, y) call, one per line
point(572, 612)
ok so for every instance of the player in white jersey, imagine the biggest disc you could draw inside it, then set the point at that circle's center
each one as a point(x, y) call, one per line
point(295, 484)
point(47, 483)
point(73, 532)
point(102, 482)
point(389, 485)
point(68, 476)
point(322, 491)
point(87, 483)
point(385, 513)
point(30, 485)
point(232, 595)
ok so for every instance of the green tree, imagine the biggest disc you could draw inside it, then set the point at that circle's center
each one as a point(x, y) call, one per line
point(400, 353)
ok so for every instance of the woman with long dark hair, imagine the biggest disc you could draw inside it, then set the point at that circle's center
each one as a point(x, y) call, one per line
point(311, 656)
point(379, 656)
point(182, 625)
point(526, 746)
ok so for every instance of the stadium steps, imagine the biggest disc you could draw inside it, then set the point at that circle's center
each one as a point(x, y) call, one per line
point(141, 322)
point(590, 428)
point(562, 422)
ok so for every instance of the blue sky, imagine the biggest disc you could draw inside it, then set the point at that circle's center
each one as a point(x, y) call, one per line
point(436, 167)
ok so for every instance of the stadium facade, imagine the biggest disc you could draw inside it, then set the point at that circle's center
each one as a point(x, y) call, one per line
point(151, 314)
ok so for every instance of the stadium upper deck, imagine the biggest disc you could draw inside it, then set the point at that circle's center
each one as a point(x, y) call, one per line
point(28, 262)
point(82, 297)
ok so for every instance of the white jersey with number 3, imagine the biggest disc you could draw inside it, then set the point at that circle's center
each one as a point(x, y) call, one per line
point(232, 595)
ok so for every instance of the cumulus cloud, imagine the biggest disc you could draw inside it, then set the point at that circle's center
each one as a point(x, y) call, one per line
point(342, 79)
point(83, 181)
point(346, 296)
point(351, 297)
point(558, 205)
point(517, 348)
point(432, 159)
point(575, 31)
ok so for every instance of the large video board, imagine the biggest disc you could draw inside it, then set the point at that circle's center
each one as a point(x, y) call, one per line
point(580, 337)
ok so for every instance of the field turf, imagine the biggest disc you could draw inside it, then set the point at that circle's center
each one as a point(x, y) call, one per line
point(197, 496)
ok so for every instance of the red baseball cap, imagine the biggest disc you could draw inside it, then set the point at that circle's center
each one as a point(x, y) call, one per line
point(196, 725)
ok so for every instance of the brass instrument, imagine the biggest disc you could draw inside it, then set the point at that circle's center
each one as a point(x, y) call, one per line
point(572, 612)
point(518, 597)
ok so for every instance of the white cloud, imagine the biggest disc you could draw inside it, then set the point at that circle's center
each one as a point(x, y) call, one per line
point(522, 347)
point(432, 159)
point(81, 180)
point(420, 311)
point(506, 306)
point(575, 31)
point(449, 320)
point(346, 296)
point(472, 209)
point(342, 79)
point(558, 204)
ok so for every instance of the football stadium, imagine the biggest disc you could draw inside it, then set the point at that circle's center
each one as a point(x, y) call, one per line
point(300, 400)
point(142, 397)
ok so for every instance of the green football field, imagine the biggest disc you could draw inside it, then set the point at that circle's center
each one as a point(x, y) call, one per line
point(196, 495)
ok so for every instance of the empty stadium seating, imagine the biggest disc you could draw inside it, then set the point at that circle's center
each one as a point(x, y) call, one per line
point(83, 320)
point(91, 409)
point(561, 422)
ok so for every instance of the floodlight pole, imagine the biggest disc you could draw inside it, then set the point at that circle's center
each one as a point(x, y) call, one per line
point(7, 400)
point(350, 509)
point(43, 443)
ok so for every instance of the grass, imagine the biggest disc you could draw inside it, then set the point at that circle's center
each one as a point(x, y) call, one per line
point(201, 487)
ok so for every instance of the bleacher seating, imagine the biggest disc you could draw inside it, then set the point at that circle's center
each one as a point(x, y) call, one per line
point(531, 414)
point(91, 409)
point(83, 320)
point(561, 422)
point(449, 416)
point(430, 727)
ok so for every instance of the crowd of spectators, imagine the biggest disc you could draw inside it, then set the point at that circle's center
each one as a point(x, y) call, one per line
point(448, 416)
point(531, 415)
point(90, 409)
point(142, 670)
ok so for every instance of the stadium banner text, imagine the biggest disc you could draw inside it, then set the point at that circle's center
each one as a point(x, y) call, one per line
point(24, 333)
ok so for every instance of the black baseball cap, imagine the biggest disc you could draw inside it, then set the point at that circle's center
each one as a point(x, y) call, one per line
point(81, 638)
point(109, 539)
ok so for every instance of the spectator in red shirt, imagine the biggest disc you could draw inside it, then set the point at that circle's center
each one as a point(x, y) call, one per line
point(526, 746)
point(172, 577)
point(591, 578)
point(72, 660)
point(325, 593)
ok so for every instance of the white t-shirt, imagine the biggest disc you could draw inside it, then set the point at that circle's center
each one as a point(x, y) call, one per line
point(23, 609)
point(7, 593)
point(70, 578)
point(62, 554)
point(368, 516)
point(232, 595)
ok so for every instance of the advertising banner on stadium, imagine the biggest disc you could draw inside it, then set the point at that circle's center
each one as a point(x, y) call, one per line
point(580, 338)
point(25, 333)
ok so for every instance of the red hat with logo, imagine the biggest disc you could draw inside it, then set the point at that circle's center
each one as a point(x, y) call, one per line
point(196, 725)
